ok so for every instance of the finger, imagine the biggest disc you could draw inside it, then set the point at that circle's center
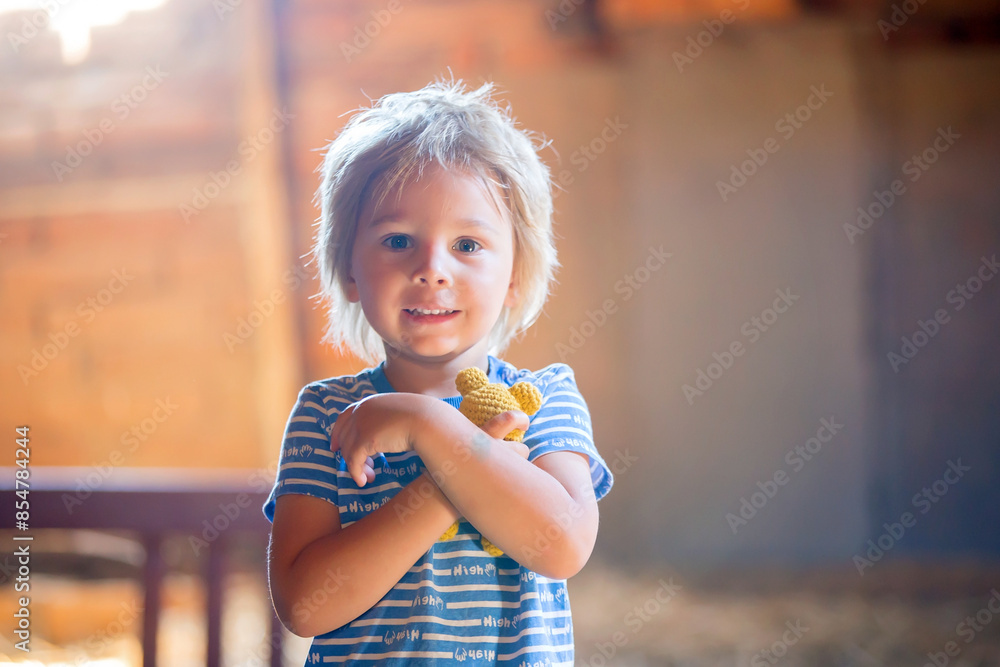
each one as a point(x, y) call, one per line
point(501, 425)
point(356, 467)
point(347, 436)
point(518, 448)
point(335, 437)
point(340, 435)
point(521, 449)
point(337, 432)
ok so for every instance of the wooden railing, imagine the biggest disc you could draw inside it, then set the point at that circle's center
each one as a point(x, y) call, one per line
point(152, 503)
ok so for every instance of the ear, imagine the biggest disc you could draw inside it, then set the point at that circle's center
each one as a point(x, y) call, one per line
point(513, 293)
point(470, 379)
point(351, 289)
point(527, 396)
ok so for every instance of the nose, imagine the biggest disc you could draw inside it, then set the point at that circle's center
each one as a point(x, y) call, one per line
point(432, 265)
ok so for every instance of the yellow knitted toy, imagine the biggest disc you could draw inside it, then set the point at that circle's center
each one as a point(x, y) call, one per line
point(481, 401)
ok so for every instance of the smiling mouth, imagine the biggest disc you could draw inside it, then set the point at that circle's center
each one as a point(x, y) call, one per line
point(420, 312)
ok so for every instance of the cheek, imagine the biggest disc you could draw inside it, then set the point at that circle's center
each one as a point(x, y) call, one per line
point(370, 266)
point(495, 280)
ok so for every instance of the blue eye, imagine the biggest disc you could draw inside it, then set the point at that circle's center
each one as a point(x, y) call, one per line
point(467, 245)
point(397, 242)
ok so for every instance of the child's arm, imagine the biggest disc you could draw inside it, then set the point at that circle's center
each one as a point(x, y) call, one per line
point(542, 514)
point(323, 576)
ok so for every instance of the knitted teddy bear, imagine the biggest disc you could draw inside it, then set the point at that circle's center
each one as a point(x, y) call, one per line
point(481, 401)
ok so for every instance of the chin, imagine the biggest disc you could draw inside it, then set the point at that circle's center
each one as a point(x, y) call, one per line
point(430, 352)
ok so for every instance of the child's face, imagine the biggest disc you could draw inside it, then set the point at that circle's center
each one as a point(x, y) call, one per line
point(443, 245)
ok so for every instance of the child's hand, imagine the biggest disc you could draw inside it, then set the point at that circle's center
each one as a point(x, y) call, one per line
point(500, 425)
point(376, 423)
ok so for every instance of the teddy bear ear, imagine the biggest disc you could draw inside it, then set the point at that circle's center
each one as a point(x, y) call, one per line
point(470, 379)
point(528, 396)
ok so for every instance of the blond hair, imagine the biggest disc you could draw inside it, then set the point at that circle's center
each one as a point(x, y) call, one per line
point(381, 148)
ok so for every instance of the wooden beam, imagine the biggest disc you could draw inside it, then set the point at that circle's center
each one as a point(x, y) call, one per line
point(266, 237)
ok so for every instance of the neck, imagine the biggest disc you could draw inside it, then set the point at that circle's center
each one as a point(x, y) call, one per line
point(432, 378)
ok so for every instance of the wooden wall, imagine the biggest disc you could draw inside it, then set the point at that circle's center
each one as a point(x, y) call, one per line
point(218, 316)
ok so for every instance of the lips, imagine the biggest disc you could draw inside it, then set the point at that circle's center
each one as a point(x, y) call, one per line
point(430, 311)
point(430, 315)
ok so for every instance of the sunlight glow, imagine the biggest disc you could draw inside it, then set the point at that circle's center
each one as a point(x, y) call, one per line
point(73, 19)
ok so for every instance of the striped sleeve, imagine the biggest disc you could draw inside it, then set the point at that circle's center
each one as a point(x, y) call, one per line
point(306, 465)
point(563, 424)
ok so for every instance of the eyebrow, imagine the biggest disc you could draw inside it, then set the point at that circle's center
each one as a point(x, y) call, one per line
point(465, 222)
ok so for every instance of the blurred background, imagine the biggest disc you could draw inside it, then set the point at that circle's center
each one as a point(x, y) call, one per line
point(778, 228)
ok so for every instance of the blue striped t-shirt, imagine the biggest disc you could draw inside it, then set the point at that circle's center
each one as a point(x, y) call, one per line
point(457, 604)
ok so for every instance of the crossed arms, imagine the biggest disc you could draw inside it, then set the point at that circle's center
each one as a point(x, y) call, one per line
point(543, 514)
